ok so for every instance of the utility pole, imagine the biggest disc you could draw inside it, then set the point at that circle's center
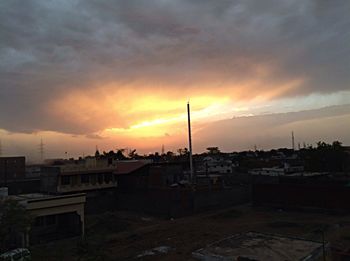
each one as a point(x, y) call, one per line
point(0, 148)
point(293, 142)
point(190, 141)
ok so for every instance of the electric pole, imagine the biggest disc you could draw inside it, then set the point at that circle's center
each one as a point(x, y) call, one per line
point(190, 141)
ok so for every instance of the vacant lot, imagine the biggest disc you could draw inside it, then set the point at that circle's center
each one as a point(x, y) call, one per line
point(130, 236)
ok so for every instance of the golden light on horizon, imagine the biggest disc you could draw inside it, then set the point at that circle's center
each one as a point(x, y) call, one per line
point(133, 113)
point(143, 115)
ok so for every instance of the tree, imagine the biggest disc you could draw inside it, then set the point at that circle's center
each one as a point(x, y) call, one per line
point(169, 156)
point(213, 150)
point(14, 222)
point(325, 157)
point(120, 154)
point(133, 154)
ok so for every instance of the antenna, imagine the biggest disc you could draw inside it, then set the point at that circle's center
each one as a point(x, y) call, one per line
point(293, 142)
point(41, 149)
point(190, 140)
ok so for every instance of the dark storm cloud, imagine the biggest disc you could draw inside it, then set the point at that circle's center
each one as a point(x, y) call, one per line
point(51, 47)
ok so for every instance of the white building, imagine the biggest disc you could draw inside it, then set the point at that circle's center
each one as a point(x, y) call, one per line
point(217, 165)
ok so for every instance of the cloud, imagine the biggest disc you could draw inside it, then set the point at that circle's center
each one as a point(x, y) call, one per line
point(52, 50)
point(274, 130)
point(94, 136)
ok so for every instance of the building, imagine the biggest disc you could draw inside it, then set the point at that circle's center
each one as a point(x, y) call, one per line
point(268, 171)
point(287, 169)
point(59, 180)
point(98, 179)
point(55, 217)
point(217, 165)
point(11, 169)
point(91, 175)
point(139, 175)
point(13, 175)
point(162, 189)
point(253, 246)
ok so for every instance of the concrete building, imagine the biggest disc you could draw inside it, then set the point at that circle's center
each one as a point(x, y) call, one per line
point(90, 175)
point(13, 176)
point(11, 169)
point(60, 180)
point(215, 165)
point(55, 217)
point(268, 171)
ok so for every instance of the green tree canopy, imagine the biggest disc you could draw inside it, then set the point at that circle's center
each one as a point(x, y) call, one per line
point(14, 221)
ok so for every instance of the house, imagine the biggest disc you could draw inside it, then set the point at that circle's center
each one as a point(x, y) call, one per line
point(55, 217)
point(88, 176)
point(276, 171)
point(98, 179)
point(67, 179)
point(217, 165)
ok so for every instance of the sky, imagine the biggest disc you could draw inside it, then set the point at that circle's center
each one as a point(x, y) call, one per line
point(118, 74)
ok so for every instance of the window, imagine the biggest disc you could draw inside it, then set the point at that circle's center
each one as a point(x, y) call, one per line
point(85, 179)
point(65, 180)
point(74, 180)
point(108, 177)
point(39, 221)
point(100, 178)
point(51, 220)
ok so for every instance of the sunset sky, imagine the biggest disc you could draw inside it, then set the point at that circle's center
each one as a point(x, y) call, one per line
point(118, 74)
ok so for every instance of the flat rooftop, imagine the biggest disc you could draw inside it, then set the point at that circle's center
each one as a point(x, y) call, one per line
point(258, 246)
point(40, 196)
point(29, 196)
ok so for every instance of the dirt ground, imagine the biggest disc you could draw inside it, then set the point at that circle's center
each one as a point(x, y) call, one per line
point(131, 236)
